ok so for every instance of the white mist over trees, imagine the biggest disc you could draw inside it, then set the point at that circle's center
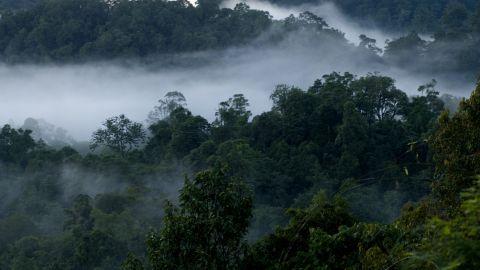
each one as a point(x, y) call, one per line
point(328, 11)
point(226, 137)
point(82, 92)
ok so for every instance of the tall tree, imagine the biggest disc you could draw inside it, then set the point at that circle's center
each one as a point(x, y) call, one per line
point(15, 144)
point(377, 98)
point(119, 134)
point(456, 151)
point(232, 118)
point(207, 231)
point(172, 101)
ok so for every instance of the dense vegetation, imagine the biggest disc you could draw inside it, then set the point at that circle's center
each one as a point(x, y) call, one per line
point(17, 4)
point(453, 25)
point(425, 16)
point(456, 38)
point(82, 30)
point(86, 29)
point(350, 173)
point(330, 145)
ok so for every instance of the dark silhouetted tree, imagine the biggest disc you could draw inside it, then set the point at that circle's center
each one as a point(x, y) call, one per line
point(119, 134)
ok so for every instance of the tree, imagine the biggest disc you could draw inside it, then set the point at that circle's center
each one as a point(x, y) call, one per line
point(308, 18)
point(188, 131)
point(454, 20)
point(120, 134)
point(14, 227)
point(232, 118)
point(352, 139)
point(207, 231)
point(172, 101)
point(69, 30)
point(377, 98)
point(233, 111)
point(79, 216)
point(92, 247)
point(456, 151)
point(288, 247)
point(452, 243)
point(50, 134)
point(132, 263)
point(15, 145)
point(405, 50)
point(176, 135)
point(369, 44)
point(422, 112)
point(297, 111)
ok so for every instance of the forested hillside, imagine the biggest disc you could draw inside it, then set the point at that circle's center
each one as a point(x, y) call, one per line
point(331, 144)
point(68, 31)
point(350, 172)
point(424, 16)
point(438, 36)
point(94, 29)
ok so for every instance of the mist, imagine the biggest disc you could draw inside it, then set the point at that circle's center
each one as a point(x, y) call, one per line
point(79, 97)
point(327, 11)
point(346, 158)
point(18, 189)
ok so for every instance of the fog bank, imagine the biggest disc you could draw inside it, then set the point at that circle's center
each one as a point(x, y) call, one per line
point(328, 11)
point(79, 97)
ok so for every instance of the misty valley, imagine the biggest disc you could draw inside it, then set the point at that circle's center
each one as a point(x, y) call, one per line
point(225, 134)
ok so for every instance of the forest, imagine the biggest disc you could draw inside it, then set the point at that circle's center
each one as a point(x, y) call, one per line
point(351, 172)
point(82, 30)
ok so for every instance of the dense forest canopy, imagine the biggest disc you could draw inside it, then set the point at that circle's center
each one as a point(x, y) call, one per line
point(68, 31)
point(349, 173)
point(330, 142)
point(85, 29)
point(17, 4)
point(423, 16)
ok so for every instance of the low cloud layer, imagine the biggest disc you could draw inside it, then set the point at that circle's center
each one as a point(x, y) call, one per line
point(79, 97)
point(327, 11)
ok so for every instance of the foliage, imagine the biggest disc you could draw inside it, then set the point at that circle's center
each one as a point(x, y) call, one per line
point(176, 135)
point(409, 15)
point(370, 44)
point(207, 231)
point(67, 30)
point(330, 145)
point(231, 118)
point(456, 151)
point(17, 4)
point(171, 102)
point(454, 243)
point(325, 236)
point(84, 30)
point(15, 145)
point(120, 134)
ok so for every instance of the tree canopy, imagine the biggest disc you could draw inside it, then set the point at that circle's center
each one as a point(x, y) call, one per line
point(315, 180)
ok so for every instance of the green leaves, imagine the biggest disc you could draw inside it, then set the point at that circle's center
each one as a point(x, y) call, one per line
point(119, 134)
point(206, 232)
point(15, 145)
point(456, 150)
point(69, 30)
point(453, 243)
